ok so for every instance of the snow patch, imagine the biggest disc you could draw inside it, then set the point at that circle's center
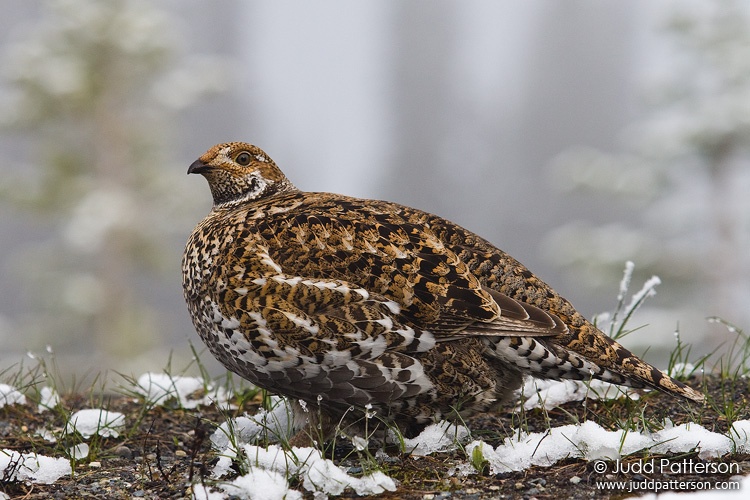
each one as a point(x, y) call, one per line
point(10, 396)
point(269, 467)
point(79, 451)
point(191, 392)
point(272, 425)
point(31, 467)
point(257, 483)
point(435, 438)
point(592, 442)
point(89, 422)
point(48, 399)
point(552, 393)
point(47, 435)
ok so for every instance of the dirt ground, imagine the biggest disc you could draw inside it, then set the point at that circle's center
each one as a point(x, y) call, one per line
point(170, 450)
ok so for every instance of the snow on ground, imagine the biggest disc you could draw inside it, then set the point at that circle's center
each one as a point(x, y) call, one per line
point(441, 437)
point(269, 467)
point(48, 399)
point(258, 484)
point(31, 467)
point(268, 425)
point(10, 396)
point(91, 421)
point(592, 442)
point(549, 394)
point(191, 392)
point(79, 451)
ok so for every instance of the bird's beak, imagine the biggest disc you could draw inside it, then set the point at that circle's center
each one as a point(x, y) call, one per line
point(198, 167)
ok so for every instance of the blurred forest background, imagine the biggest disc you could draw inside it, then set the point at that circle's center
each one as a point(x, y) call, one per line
point(576, 135)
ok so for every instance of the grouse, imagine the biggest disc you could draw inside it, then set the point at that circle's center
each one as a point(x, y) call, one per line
point(353, 306)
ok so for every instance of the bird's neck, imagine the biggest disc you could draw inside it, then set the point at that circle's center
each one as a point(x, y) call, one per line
point(260, 194)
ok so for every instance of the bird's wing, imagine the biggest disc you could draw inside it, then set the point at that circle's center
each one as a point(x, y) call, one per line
point(309, 336)
point(396, 257)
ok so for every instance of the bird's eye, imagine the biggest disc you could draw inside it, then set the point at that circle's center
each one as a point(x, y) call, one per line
point(243, 158)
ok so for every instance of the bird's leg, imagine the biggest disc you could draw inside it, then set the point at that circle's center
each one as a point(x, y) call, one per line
point(315, 425)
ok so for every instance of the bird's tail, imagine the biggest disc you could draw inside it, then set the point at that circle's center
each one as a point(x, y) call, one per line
point(584, 356)
point(638, 372)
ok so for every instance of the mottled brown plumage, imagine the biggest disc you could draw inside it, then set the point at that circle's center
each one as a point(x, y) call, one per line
point(344, 302)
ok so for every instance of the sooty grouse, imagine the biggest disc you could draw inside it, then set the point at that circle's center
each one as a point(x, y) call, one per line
point(344, 303)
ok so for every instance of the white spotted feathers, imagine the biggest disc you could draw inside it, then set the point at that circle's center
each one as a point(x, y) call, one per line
point(342, 302)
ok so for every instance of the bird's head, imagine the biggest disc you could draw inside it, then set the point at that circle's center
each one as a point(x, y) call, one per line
point(238, 172)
